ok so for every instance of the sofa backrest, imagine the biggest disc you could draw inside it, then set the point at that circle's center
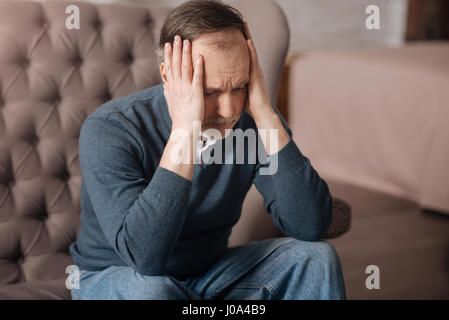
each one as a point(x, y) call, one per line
point(51, 79)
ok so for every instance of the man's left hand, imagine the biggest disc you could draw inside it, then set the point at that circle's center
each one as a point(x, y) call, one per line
point(258, 104)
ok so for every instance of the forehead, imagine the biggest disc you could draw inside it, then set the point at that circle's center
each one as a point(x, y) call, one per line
point(226, 57)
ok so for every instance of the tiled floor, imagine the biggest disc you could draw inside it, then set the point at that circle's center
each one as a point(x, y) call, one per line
point(410, 247)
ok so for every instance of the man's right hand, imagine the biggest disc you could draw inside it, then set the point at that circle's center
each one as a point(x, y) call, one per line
point(183, 88)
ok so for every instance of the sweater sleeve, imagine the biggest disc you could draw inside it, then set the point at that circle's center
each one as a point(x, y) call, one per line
point(141, 218)
point(294, 195)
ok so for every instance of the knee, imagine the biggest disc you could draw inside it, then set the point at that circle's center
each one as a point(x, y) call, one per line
point(159, 288)
point(325, 253)
point(315, 266)
point(321, 252)
point(122, 282)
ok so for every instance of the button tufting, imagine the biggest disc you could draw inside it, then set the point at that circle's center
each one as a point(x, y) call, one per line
point(98, 25)
point(56, 99)
point(129, 59)
point(42, 216)
point(19, 258)
point(148, 22)
point(77, 61)
point(34, 139)
point(65, 176)
point(107, 96)
point(25, 63)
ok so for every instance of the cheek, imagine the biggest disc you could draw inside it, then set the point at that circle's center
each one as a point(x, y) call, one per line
point(209, 107)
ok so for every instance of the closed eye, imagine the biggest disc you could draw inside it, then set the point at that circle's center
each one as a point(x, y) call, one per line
point(240, 89)
point(235, 90)
point(210, 93)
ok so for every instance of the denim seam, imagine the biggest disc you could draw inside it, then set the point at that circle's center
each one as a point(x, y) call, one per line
point(272, 289)
point(249, 285)
point(226, 287)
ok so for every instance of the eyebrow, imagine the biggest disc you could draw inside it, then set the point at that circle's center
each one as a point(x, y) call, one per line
point(217, 89)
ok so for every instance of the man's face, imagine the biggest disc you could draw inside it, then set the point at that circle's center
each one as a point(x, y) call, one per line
point(226, 76)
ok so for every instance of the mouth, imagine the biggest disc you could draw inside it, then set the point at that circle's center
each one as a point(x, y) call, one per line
point(219, 127)
point(221, 124)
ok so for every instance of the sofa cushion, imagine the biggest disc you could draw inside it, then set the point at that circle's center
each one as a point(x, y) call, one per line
point(37, 290)
point(51, 79)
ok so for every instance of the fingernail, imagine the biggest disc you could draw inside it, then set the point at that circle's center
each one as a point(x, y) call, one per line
point(186, 44)
point(167, 45)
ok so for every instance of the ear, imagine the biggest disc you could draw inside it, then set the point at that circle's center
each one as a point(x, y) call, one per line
point(162, 72)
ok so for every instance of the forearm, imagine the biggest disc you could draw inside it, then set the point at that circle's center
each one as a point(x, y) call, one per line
point(150, 231)
point(271, 123)
point(302, 204)
point(179, 153)
point(304, 201)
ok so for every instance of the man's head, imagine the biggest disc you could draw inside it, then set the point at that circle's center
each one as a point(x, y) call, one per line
point(217, 32)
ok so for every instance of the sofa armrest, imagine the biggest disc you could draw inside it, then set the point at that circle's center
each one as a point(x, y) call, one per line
point(341, 219)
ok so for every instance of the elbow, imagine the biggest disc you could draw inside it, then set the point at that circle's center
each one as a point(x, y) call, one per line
point(149, 265)
point(320, 224)
point(150, 270)
point(145, 260)
point(328, 213)
point(325, 216)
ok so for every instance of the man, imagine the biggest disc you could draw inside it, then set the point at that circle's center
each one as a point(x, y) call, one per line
point(154, 227)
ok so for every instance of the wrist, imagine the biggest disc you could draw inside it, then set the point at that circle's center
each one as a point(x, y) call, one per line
point(265, 116)
point(262, 112)
point(186, 129)
point(178, 153)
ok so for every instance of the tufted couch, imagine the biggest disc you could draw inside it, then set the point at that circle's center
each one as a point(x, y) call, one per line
point(51, 79)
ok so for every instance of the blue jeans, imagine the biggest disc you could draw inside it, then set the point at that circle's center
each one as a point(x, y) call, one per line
point(277, 268)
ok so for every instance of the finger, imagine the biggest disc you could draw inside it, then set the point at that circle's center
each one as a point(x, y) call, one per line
point(198, 73)
point(253, 54)
point(166, 93)
point(176, 63)
point(168, 61)
point(186, 62)
point(248, 34)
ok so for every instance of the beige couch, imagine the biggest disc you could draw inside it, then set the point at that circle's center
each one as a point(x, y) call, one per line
point(377, 118)
point(51, 79)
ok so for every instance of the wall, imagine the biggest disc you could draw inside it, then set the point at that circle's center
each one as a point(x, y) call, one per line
point(329, 24)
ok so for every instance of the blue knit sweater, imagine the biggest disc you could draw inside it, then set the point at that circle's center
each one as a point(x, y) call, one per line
point(135, 213)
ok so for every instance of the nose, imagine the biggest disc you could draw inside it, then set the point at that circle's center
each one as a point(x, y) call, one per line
point(225, 108)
